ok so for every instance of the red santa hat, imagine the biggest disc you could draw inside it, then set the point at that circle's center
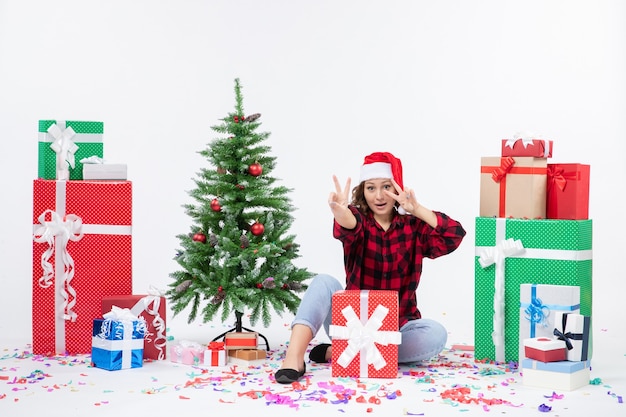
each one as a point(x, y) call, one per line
point(382, 165)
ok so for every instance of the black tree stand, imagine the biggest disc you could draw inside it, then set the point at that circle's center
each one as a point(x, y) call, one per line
point(239, 328)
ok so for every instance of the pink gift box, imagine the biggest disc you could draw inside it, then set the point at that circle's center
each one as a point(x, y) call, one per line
point(187, 353)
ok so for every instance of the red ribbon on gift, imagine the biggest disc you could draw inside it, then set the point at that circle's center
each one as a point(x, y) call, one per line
point(558, 177)
point(498, 174)
point(216, 345)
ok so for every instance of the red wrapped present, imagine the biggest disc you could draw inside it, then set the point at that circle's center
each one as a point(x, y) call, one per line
point(513, 187)
point(82, 252)
point(151, 307)
point(241, 340)
point(365, 334)
point(568, 192)
point(545, 349)
point(215, 354)
point(523, 146)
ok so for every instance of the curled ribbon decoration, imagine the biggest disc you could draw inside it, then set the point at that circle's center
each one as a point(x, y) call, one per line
point(537, 312)
point(63, 146)
point(497, 256)
point(505, 166)
point(362, 338)
point(151, 304)
point(57, 233)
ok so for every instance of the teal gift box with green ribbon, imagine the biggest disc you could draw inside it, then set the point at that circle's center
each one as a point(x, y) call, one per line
point(63, 144)
point(510, 252)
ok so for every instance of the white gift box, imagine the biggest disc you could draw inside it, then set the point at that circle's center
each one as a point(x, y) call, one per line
point(104, 171)
point(575, 330)
point(556, 376)
point(539, 304)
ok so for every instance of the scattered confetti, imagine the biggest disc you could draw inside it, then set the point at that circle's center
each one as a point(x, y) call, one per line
point(544, 408)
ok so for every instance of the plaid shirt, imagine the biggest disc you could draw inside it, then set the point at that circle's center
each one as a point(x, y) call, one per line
point(376, 259)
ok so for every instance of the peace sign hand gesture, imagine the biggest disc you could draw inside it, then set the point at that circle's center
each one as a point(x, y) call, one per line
point(338, 201)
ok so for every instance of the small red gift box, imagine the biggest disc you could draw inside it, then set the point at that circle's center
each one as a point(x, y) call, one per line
point(241, 340)
point(215, 355)
point(568, 192)
point(82, 251)
point(152, 309)
point(537, 148)
point(545, 349)
point(513, 187)
point(365, 334)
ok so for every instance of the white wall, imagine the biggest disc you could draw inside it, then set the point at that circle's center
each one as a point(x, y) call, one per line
point(438, 83)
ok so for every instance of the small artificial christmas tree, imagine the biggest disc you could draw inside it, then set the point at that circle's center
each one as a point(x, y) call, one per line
point(239, 253)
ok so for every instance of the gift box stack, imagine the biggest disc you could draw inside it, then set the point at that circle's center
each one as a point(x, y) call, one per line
point(365, 334)
point(533, 257)
point(244, 346)
point(82, 241)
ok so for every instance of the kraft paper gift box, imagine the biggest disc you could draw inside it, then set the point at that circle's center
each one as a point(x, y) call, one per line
point(539, 306)
point(575, 331)
point(63, 144)
point(513, 187)
point(248, 354)
point(511, 252)
point(105, 171)
point(187, 352)
point(568, 191)
point(241, 340)
point(556, 376)
point(82, 252)
point(117, 341)
point(365, 334)
point(215, 354)
point(544, 349)
point(537, 148)
point(150, 307)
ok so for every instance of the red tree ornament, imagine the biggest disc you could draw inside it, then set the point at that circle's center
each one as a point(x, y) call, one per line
point(199, 237)
point(257, 229)
point(255, 169)
point(215, 205)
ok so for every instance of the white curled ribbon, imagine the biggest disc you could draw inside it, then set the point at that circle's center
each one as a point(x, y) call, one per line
point(63, 146)
point(56, 233)
point(497, 255)
point(362, 338)
point(144, 304)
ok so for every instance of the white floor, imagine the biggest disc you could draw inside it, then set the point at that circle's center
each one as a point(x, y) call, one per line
point(68, 386)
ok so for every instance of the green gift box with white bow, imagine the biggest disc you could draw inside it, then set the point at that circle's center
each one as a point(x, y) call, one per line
point(63, 144)
point(510, 252)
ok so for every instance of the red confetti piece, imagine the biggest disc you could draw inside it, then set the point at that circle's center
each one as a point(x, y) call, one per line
point(182, 397)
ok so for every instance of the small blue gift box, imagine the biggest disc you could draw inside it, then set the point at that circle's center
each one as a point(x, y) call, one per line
point(117, 344)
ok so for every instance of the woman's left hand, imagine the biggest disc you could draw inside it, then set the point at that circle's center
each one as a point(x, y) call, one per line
point(405, 198)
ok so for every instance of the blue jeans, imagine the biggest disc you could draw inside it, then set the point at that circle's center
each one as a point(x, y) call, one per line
point(421, 339)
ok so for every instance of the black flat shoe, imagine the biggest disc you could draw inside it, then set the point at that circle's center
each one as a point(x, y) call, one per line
point(287, 376)
point(318, 353)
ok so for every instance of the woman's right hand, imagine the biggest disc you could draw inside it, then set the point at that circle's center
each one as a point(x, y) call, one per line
point(339, 198)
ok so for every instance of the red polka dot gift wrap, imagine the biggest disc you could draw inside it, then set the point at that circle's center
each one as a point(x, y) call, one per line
point(365, 334)
point(82, 252)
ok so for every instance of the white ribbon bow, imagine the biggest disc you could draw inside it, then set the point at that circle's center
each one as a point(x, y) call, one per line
point(56, 233)
point(525, 137)
point(63, 146)
point(497, 256)
point(363, 337)
point(154, 300)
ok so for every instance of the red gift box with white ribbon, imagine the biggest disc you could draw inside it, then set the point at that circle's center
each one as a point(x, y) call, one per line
point(545, 349)
point(82, 251)
point(151, 307)
point(365, 334)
